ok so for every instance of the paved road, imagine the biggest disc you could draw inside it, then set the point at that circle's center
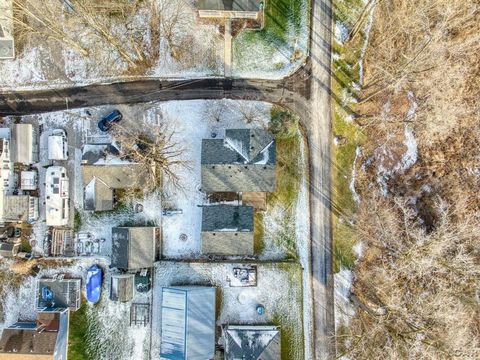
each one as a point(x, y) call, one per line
point(320, 175)
point(307, 92)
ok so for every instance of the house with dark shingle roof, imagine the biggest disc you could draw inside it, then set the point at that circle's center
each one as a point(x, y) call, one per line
point(233, 9)
point(133, 248)
point(252, 342)
point(45, 339)
point(227, 230)
point(242, 162)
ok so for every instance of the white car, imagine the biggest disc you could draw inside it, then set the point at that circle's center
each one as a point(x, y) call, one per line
point(57, 145)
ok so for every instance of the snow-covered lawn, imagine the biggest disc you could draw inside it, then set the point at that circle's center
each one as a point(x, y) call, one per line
point(109, 334)
point(283, 288)
point(279, 290)
point(191, 121)
point(198, 49)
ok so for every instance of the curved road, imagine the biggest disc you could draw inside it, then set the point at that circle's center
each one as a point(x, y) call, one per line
point(307, 92)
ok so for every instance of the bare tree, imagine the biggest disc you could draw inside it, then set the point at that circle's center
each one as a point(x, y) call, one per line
point(56, 20)
point(153, 146)
point(251, 111)
point(415, 290)
point(30, 17)
point(215, 111)
point(174, 19)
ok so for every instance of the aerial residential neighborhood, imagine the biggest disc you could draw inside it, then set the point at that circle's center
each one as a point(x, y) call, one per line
point(239, 179)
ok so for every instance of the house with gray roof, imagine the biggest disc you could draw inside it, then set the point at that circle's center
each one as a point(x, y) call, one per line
point(227, 230)
point(233, 9)
point(44, 339)
point(242, 162)
point(133, 248)
point(188, 323)
point(7, 44)
point(101, 181)
point(252, 342)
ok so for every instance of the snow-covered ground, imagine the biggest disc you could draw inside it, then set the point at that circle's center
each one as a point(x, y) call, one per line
point(19, 302)
point(198, 51)
point(109, 336)
point(191, 121)
point(282, 303)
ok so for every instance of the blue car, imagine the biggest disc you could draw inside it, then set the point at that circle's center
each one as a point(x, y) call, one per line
point(94, 283)
point(107, 121)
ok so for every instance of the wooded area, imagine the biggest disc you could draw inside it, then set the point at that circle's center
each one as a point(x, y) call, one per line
point(416, 286)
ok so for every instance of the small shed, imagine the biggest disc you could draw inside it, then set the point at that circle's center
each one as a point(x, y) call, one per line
point(8, 249)
point(57, 145)
point(188, 323)
point(20, 208)
point(28, 180)
point(133, 248)
point(121, 287)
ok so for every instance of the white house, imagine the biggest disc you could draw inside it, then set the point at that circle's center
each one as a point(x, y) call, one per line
point(57, 196)
point(24, 144)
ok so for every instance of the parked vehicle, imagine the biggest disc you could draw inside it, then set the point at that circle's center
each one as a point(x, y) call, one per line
point(94, 284)
point(107, 121)
point(57, 145)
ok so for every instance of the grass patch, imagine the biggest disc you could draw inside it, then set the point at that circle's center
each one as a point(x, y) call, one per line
point(279, 15)
point(292, 337)
point(283, 20)
point(346, 73)
point(258, 233)
point(289, 343)
point(218, 301)
point(25, 245)
point(77, 334)
point(77, 221)
point(284, 125)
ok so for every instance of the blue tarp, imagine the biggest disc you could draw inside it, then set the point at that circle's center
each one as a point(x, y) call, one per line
point(94, 283)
